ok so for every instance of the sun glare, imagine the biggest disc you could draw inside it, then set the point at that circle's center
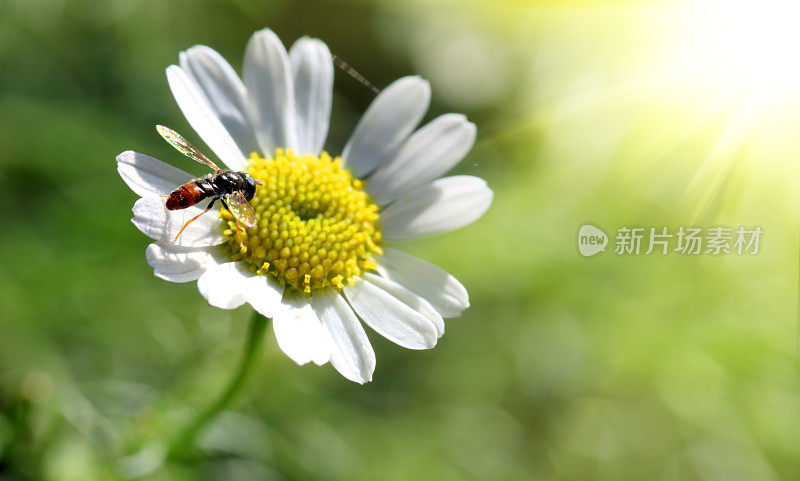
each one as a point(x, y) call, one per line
point(733, 66)
point(755, 43)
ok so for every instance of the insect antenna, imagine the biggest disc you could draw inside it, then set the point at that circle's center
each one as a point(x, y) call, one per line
point(354, 73)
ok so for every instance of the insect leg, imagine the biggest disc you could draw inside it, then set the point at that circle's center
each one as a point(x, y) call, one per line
point(210, 205)
point(353, 73)
point(239, 229)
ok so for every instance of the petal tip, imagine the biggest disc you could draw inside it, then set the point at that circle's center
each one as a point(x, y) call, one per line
point(414, 81)
point(198, 48)
point(266, 33)
point(123, 157)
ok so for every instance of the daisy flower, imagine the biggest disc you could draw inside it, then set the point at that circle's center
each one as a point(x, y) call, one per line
point(319, 260)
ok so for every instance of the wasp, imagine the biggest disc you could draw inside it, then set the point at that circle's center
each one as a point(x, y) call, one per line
point(233, 189)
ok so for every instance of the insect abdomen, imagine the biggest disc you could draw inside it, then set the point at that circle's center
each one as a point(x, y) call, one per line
point(185, 196)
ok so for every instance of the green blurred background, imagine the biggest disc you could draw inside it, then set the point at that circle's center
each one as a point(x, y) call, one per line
point(564, 368)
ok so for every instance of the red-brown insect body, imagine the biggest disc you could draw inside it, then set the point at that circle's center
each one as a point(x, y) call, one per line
point(185, 196)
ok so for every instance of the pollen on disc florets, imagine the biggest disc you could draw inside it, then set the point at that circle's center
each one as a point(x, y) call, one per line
point(316, 226)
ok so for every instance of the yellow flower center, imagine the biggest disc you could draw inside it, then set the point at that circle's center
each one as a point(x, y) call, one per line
point(316, 226)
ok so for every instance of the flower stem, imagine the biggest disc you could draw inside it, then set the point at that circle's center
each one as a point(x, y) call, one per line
point(255, 336)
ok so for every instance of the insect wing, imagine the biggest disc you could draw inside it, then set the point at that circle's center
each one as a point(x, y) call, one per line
point(241, 209)
point(183, 146)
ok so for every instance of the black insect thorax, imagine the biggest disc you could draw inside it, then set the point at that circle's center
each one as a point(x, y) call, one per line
point(226, 182)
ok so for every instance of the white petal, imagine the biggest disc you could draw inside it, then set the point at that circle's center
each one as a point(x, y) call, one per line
point(300, 333)
point(390, 317)
point(410, 299)
point(222, 285)
point(428, 154)
point(203, 119)
point(223, 90)
point(312, 71)
point(386, 124)
point(180, 264)
point(264, 294)
point(352, 354)
point(268, 79)
point(156, 222)
point(443, 205)
point(443, 291)
point(148, 176)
